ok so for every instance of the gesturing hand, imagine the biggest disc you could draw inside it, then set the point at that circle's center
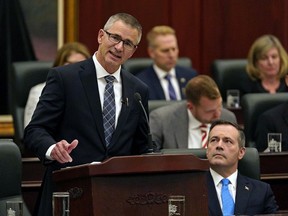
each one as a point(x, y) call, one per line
point(61, 151)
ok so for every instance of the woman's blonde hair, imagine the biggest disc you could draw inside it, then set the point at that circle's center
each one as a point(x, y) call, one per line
point(261, 46)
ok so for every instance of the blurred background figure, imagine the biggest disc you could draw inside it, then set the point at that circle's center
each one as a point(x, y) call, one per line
point(69, 53)
point(186, 124)
point(267, 66)
point(165, 79)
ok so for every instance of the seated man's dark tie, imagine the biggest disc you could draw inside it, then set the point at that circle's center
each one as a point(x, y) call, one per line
point(171, 90)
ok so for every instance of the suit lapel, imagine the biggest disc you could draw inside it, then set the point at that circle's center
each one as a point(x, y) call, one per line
point(213, 202)
point(244, 189)
point(181, 82)
point(90, 85)
point(155, 82)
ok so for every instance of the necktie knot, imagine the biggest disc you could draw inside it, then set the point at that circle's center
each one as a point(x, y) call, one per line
point(168, 77)
point(225, 182)
point(109, 79)
point(203, 127)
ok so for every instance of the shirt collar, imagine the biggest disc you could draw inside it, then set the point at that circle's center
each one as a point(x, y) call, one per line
point(101, 72)
point(161, 73)
point(193, 122)
point(217, 178)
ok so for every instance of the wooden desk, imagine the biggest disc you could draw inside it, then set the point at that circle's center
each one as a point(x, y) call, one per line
point(274, 170)
point(32, 173)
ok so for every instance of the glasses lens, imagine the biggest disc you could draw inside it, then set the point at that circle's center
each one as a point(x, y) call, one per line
point(128, 45)
point(116, 39)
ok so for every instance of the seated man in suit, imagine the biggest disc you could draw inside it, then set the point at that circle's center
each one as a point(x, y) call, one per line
point(165, 79)
point(239, 194)
point(186, 124)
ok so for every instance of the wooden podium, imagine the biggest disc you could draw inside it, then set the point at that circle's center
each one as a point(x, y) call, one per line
point(135, 185)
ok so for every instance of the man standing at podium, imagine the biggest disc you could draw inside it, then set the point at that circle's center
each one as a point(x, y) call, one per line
point(87, 111)
point(230, 193)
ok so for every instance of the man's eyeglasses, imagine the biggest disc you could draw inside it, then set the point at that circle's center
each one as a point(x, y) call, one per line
point(117, 39)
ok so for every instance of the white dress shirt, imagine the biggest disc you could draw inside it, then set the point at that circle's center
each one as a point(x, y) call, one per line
point(194, 132)
point(218, 185)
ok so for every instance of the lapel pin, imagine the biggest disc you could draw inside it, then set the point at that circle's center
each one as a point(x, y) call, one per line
point(246, 188)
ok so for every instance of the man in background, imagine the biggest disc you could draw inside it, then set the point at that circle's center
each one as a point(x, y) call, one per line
point(186, 124)
point(165, 79)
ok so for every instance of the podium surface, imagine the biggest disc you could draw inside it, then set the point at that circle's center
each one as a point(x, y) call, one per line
point(135, 185)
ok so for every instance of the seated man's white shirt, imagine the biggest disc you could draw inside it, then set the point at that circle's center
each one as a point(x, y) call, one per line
point(194, 132)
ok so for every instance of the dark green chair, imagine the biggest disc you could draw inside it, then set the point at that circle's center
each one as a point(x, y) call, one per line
point(11, 175)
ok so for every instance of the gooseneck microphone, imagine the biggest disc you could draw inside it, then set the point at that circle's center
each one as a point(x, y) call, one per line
point(137, 97)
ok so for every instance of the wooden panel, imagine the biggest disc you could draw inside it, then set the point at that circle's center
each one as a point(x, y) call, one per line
point(206, 30)
point(231, 26)
point(147, 12)
point(275, 173)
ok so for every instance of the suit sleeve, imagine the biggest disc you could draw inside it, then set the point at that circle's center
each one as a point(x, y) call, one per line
point(38, 135)
point(270, 205)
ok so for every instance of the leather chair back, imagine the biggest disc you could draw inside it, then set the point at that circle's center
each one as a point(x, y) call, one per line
point(24, 75)
point(11, 174)
point(229, 74)
point(248, 166)
point(253, 105)
point(136, 65)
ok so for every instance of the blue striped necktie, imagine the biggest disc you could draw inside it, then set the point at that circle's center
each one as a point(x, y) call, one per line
point(227, 200)
point(171, 90)
point(109, 109)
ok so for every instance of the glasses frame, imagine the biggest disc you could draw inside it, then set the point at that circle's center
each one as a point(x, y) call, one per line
point(119, 39)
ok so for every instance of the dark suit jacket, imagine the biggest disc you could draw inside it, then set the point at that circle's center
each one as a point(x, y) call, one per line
point(69, 108)
point(149, 76)
point(252, 197)
point(274, 120)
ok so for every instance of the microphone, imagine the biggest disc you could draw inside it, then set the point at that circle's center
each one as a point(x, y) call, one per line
point(137, 97)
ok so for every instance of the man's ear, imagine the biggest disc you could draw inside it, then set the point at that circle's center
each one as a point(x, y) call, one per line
point(150, 51)
point(190, 105)
point(241, 153)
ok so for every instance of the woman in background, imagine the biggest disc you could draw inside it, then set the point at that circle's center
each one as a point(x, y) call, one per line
point(267, 66)
point(69, 53)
